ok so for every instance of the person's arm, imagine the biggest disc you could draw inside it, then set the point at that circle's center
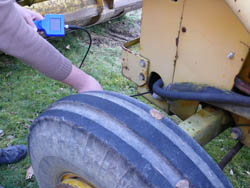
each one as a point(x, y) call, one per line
point(19, 39)
point(28, 15)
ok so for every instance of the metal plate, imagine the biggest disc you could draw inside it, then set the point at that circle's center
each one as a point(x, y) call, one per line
point(134, 66)
point(210, 33)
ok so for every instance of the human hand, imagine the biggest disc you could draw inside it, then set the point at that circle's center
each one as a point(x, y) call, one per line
point(29, 16)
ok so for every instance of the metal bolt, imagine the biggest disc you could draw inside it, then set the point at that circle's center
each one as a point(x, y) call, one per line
point(236, 133)
point(231, 55)
point(141, 76)
point(142, 63)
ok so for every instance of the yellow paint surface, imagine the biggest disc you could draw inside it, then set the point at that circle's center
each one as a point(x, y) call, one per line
point(212, 33)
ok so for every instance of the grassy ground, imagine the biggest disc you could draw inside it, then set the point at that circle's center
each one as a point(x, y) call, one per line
point(24, 93)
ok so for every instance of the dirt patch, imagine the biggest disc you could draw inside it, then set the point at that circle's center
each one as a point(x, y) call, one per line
point(118, 31)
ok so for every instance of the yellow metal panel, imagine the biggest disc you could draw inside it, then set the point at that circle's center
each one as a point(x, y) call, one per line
point(206, 124)
point(242, 9)
point(210, 32)
point(184, 109)
point(159, 30)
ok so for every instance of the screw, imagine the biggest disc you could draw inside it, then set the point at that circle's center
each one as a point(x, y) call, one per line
point(141, 76)
point(236, 133)
point(231, 55)
point(142, 63)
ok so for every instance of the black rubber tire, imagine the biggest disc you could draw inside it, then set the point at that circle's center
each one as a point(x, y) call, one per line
point(113, 141)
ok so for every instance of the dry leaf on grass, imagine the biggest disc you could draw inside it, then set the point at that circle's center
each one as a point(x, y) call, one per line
point(29, 173)
point(1, 133)
point(231, 172)
point(68, 47)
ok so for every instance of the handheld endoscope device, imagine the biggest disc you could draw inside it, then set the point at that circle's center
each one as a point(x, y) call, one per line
point(52, 25)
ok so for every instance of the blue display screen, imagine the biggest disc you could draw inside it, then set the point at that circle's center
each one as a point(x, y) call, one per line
point(55, 24)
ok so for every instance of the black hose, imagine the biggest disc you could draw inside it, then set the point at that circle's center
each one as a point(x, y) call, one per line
point(218, 96)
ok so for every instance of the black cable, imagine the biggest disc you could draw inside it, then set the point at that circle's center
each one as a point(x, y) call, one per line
point(75, 27)
point(217, 96)
point(140, 94)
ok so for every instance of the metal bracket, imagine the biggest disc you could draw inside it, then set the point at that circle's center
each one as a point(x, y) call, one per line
point(134, 66)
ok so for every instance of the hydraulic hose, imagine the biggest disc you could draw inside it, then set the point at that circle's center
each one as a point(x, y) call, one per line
point(213, 95)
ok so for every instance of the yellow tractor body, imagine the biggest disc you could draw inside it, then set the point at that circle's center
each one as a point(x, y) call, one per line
point(199, 42)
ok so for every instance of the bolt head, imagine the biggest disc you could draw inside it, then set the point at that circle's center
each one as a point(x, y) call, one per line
point(231, 55)
point(236, 133)
point(142, 63)
point(142, 77)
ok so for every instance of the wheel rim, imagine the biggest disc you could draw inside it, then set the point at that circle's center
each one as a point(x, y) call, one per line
point(74, 181)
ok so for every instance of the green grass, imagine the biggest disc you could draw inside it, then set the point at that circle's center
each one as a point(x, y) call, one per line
point(240, 164)
point(25, 93)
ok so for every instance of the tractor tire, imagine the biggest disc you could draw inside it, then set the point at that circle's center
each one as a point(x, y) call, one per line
point(114, 141)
